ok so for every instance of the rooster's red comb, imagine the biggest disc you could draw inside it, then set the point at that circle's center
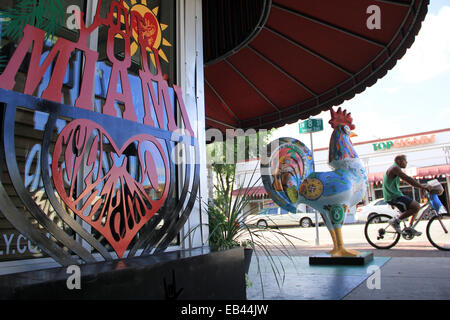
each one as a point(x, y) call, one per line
point(341, 118)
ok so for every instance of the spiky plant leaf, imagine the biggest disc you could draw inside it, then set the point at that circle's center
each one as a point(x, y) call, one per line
point(228, 229)
point(47, 15)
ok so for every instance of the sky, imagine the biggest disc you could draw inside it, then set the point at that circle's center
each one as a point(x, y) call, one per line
point(413, 97)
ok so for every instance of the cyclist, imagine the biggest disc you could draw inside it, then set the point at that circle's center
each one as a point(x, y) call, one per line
point(392, 194)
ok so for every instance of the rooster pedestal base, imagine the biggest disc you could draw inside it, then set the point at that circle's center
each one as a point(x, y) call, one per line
point(326, 259)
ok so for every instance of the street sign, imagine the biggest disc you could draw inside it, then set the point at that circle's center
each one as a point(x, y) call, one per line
point(310, 125)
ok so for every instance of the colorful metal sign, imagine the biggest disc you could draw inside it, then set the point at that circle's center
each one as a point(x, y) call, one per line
point(107, 176)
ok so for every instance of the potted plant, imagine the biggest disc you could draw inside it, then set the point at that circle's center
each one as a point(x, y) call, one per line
point(228, 229)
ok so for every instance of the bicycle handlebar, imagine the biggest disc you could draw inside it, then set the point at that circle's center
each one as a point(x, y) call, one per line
point(434, 200)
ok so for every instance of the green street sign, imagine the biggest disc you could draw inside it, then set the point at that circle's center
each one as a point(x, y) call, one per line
point(310, 125)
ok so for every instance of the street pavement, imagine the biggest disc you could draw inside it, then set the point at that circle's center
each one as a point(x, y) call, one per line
point(412, 270)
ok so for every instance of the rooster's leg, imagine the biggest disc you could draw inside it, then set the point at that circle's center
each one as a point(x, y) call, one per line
point(335, 243)
point(341, 250)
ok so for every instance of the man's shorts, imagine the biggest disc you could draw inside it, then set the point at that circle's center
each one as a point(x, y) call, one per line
point(402, 203)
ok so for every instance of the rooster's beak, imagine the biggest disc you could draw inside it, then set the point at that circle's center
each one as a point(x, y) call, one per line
point(352, 134)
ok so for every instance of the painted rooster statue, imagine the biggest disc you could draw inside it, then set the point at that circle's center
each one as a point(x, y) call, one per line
point(289, 177)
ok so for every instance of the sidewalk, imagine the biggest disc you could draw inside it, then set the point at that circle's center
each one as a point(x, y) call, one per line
point(409, 279)
point(409, 271)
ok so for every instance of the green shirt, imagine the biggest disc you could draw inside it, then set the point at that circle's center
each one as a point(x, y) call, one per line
point(391, 187)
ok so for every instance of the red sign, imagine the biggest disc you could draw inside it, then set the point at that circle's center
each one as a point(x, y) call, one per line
point(405, 142)
point(117, 213)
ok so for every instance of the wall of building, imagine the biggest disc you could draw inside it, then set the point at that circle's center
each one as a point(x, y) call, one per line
point(190, 75)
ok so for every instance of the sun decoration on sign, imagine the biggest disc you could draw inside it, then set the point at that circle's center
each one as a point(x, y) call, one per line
point(152, 29)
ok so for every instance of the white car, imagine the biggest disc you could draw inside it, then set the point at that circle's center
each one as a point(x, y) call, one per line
point(374, 207)
point(276, 217)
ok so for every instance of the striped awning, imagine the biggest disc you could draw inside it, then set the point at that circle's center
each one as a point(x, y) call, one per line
point(254, 192)
point(421, 173)
point(272, 62)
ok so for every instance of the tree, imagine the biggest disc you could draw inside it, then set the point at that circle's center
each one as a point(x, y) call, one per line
point(224, 169)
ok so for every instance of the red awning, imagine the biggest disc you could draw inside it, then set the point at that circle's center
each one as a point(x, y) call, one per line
point(376, 177)
point(422, 173)
point(256, 192)
point(303, 57)
point(433, 172)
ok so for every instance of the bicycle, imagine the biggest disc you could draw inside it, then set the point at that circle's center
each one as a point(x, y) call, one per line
point(381, 235)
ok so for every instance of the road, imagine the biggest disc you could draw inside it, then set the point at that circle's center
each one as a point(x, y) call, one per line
point(302, 241)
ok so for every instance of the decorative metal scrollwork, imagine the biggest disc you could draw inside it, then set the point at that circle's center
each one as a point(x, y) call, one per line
point(87, 176)
point(102, 181)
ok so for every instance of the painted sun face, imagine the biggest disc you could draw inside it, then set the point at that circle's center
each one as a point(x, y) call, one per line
point(311, 188)
point(152, 30)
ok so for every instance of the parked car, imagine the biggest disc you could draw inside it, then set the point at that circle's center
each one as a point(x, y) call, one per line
point(363, 213)
point(277, 217)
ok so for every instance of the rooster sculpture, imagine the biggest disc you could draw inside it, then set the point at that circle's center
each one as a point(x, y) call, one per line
point(289, 177)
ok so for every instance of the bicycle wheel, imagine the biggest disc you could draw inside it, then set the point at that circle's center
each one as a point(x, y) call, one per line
point(438, 231)
point(379, 233)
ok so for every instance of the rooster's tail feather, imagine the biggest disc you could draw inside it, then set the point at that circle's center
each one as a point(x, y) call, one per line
point(287, 163)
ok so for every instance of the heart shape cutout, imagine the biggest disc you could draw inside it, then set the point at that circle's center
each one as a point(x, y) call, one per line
point(115, 190)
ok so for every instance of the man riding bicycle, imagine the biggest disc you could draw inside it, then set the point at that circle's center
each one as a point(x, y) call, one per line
point(393, 196)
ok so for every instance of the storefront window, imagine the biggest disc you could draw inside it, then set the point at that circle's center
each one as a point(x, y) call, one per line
point(29, 127)
point(116, 85)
